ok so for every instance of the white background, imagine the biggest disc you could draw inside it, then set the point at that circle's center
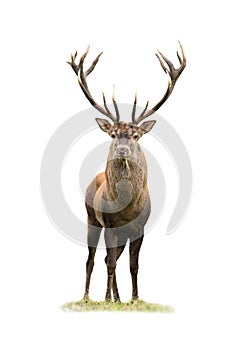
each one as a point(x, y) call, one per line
point(191, 269)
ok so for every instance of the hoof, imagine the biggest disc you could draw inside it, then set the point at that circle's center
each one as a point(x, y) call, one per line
point(108, 299)
point(108, 296)
point(117, 300)
point(134, 300)
point(86, 298)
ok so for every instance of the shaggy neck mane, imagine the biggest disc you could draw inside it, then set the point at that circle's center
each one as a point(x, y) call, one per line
point(119, 169)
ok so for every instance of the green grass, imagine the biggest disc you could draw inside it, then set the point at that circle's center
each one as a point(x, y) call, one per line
point(138, 305)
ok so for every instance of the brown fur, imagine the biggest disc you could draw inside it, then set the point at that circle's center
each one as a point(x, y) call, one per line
point(118, 200)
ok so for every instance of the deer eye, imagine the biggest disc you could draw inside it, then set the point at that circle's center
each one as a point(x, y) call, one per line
point(113, 136)
point(136, 137)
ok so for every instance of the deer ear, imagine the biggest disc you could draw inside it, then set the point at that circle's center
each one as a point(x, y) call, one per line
point(147, 126)
point(103, 124)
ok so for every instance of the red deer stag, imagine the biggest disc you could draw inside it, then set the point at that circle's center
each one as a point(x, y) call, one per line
point(118, 200)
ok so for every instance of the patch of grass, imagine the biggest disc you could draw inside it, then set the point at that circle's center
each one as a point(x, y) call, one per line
point(137, 305)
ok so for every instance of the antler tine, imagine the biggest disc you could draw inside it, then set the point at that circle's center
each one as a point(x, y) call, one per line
point(105, 104)
point(173, 75)
point(134, 107)
point(115, 105)
point(91, 68)
point(73, 64)
point(141, 117)
point(78, 68)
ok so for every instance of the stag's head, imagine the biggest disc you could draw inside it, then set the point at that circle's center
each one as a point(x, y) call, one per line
point(126, 135)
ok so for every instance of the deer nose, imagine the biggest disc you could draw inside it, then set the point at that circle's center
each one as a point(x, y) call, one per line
point(123, 151)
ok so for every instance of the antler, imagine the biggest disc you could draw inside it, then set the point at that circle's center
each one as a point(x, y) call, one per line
point(173, 75)
point(78, 69)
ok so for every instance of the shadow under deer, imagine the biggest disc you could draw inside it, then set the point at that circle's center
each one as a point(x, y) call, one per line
point(118, 199)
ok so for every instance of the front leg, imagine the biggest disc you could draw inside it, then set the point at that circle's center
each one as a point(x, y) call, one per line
point(92, 240)
point(134, 249)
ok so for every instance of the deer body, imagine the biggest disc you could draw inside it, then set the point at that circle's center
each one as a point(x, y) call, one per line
point(118, 200)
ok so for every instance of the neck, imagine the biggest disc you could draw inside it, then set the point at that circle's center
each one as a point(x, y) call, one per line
point(131, 176)
point(124, 170)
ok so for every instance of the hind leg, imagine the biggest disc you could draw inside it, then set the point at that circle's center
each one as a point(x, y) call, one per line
point(116, 295)
point(115, 247)
point(92, 240)
point(110, 260)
